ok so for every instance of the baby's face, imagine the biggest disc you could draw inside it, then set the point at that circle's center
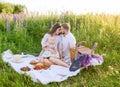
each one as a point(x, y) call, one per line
point(51, 40)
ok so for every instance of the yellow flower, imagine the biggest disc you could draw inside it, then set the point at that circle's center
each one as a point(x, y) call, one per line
point(117, 72)
point(110, 68)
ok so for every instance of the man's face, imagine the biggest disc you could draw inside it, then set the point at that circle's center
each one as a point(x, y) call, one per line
point(62, 30)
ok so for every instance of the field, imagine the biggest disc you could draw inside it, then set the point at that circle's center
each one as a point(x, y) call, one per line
point(23, 33)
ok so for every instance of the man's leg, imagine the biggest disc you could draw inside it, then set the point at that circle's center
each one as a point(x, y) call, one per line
point(58, 62)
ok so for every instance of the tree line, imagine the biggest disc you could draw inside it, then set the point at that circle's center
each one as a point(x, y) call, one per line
point(11, 8)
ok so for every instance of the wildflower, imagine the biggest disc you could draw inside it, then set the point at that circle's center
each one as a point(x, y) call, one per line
point(14, 18)
point(110, 68)
point(117, 72)
point(3, 16)
point(78, 26)
point(51, 23)
point(61, 18)
point(7, 23)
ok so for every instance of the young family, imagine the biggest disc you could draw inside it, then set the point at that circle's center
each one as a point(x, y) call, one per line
point(56, 45)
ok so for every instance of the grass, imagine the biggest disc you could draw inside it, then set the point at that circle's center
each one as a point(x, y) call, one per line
point(24, 34)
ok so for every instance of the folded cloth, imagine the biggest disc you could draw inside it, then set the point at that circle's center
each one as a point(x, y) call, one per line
point(54, 73)
point(75, 65)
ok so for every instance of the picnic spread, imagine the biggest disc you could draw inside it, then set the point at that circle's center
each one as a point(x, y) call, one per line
point(45, 73)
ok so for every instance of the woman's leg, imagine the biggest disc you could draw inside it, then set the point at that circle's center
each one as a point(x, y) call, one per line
point(47, 61)
point(58, 62)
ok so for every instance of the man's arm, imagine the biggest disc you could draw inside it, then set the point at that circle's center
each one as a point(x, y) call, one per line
point(60, 53)
point(72, 44)
point(72, 41)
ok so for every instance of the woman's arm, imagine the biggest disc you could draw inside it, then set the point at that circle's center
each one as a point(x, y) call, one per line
point(44, 40)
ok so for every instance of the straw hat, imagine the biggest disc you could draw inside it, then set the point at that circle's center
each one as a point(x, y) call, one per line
point(17, 58)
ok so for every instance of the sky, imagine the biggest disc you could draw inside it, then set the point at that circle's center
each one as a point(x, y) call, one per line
point(76, 6)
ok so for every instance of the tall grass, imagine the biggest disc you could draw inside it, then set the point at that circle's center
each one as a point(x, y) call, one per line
point(23, 33)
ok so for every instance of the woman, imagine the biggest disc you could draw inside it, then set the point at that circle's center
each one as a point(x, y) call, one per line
point(54, 32)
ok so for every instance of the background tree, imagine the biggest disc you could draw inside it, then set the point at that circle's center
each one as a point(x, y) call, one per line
point(18, 8)
point(11, 8)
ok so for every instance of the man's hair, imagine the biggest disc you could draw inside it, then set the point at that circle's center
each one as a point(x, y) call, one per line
point(66, 26)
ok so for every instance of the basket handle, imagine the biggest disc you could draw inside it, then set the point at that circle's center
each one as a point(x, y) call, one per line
point(78, 45)
point(94, 47)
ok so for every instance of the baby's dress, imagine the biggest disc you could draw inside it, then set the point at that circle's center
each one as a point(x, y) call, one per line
point(47, 53)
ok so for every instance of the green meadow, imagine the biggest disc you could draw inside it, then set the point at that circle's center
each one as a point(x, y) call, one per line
point(23, 33)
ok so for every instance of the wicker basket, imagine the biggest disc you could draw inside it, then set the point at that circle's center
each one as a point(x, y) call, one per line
point(80, 49)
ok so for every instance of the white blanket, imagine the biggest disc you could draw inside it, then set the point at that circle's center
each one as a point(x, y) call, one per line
point(53, 74)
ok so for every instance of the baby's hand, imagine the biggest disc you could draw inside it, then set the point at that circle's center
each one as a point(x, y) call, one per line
point(53, 51)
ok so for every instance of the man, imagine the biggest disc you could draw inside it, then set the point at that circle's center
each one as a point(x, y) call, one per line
point(68, 41)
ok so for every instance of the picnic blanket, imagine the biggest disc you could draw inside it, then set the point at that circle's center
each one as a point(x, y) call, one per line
point(54, 73)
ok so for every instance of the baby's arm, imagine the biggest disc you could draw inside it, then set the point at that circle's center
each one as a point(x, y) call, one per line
point(52, 50)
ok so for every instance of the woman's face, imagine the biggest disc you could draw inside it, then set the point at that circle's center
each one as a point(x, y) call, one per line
point(58, 31)
point(62, 30)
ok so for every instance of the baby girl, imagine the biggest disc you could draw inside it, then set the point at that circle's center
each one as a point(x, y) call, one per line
point(49, 49)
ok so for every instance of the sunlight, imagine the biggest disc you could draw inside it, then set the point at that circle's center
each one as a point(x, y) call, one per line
point(76, 6)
